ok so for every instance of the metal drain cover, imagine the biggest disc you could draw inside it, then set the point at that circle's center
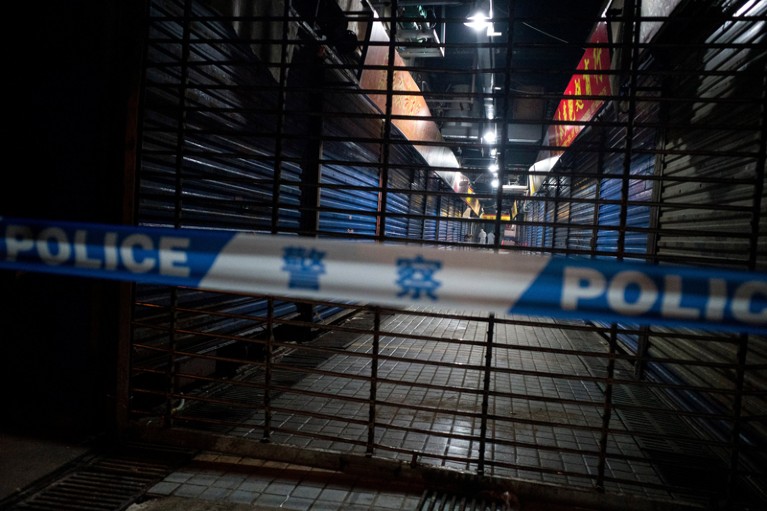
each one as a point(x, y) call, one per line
point(108, 482)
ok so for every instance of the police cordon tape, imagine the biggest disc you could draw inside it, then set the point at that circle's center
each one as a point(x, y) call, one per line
point(392, 274)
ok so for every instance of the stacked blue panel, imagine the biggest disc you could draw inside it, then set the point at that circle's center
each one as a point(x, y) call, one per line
point(345, 209)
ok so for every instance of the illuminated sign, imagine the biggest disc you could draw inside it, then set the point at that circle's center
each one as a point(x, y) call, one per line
point(575, 109)
point(490, 216)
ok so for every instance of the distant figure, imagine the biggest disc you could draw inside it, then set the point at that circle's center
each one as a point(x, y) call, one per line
point(482, 237)
point(491, 238)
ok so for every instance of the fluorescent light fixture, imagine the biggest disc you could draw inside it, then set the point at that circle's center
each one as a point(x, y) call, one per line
point(490, 137)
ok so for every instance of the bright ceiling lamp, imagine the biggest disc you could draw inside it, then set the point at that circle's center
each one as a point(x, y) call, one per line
point(495, 183)
point(490, 137)
point(478, 21)
point(493, 168)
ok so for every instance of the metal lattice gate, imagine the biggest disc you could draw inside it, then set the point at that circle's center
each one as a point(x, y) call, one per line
point(304, 118)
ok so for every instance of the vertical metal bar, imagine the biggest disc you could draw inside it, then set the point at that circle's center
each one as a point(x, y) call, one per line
point(756, 211)
point(555, 215)
point(631, 40)
point(171, 368)
point(280, 122)
point(569, 218)
point(737, 419)
point(594, 241)
point(606, 409)
point(644, 342)
point(545, 221)
point(438, 212)
point(374, 380)
point(643, 347)
point(125, 300)
point(507, 86)
point(425, 208)
point(181, 118)
point(312, 76)
point(365, 45)
point(268, 359)
point(310, 72)
point(387, 126)
point(761, 163)
point(486, 394)
point(126, 291)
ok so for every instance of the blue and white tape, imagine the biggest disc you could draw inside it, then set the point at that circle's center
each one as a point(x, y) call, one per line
point(396, 275)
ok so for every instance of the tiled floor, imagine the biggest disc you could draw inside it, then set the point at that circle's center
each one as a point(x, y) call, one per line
point(555, 397)
point(252, 482)
point(547, 444)
point(267, 485)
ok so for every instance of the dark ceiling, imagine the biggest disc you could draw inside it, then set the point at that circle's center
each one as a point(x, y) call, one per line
point(547, 39)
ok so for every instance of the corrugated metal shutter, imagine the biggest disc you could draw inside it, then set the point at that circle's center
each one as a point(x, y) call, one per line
point(637, 214)
point(398, 204)
point(208, 165)
point(712, 191)
point(581, 221)
point(418, 206)
point(639, 190)
point(709, 189)
point(549, 215)
point(347, 209)
point(431, 208)
point(536, 218)
point(205, 164)
point(451, 229)
point(562, 204)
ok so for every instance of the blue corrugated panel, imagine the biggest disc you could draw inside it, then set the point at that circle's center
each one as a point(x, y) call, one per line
point(398, 204)
point(350, 203)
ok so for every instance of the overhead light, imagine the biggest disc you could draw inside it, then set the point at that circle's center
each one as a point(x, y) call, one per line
point(493, 167)
point(490, 137)
point(494, 183)
point(478, 21)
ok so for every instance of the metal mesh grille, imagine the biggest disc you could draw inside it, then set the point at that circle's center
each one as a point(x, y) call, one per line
point(632, 132)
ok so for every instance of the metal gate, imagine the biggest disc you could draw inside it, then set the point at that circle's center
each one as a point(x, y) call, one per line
point(367, 121)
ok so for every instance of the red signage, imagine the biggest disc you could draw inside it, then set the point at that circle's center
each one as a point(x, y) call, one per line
point(576, 109)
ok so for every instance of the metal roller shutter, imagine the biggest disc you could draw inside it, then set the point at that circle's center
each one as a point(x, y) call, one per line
point(712, 183)
point(346, 209)
point(398, 204)
point(582, 230)
point(562, 206)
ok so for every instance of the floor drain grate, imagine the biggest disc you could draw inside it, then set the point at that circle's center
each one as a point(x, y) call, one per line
point(109, 482)
point(433, 500)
